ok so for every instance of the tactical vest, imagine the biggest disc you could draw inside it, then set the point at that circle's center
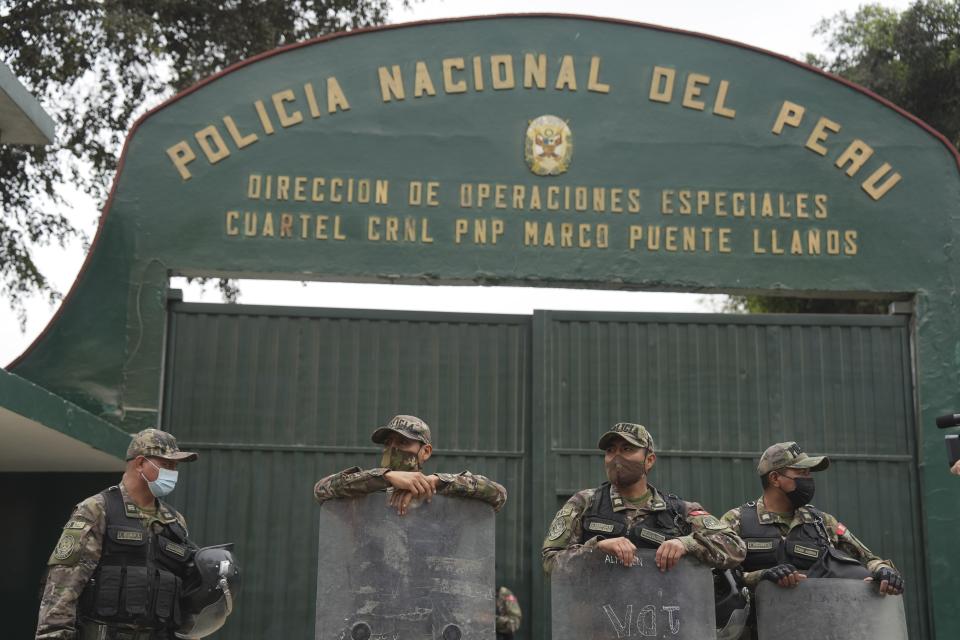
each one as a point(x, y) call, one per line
point(802, 547)
point(649, 531)
point(139, 577)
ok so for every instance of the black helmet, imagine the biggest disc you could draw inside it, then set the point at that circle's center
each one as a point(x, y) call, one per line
point(210, 588)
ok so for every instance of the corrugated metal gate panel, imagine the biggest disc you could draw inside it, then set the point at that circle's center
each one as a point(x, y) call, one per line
point(716, 390)
point(277, 398)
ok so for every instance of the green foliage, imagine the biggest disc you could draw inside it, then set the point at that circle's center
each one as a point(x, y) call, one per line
point(770, 304)
point(96, 65)
point(911, 58)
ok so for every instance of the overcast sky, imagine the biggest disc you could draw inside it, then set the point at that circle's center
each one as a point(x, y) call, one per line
point(783, 27)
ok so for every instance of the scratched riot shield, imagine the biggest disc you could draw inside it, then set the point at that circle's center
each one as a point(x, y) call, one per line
point(595, 596)
point(426, 575)
point(835, 608)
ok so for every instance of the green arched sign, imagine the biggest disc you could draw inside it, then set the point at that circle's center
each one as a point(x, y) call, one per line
point(523, 150)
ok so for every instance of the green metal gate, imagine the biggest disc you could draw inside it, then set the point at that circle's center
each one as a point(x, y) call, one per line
point(275, 398)
point(715, 390)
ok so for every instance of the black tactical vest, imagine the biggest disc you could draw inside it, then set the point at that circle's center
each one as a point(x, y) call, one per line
point(649, 531)
point(138, 580)
point(802, 547)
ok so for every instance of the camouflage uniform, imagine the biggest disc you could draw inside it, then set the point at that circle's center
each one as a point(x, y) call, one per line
point(508, 614)
point(355, 482)
point(840, 537)
point(77, 553)
point(710, 541)
point(788, 455)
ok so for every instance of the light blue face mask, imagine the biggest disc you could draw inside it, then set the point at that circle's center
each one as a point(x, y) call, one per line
point(164, 483)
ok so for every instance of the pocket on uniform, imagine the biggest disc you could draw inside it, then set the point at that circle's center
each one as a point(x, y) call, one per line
point(137, 591)
point(173, 555)
point(108, 591)
point(166, 595)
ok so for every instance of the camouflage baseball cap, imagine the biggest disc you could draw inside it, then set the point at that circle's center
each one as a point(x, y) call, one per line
point(789, 455)
point(408, 426)
point(635, 434)
point(154, 443)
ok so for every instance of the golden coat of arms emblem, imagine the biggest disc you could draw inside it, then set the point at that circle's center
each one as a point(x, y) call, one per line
point(548, 146)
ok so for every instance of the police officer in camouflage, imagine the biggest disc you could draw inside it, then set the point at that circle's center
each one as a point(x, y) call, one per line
point(786, 536)
point(116, 572)
point(508, 614)
point(407, 445)
point(626, 512)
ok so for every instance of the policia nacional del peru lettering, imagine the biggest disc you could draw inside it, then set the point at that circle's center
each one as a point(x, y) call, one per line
point(636, 216)
point(389, 84)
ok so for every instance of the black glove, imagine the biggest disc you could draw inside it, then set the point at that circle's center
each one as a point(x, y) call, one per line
point(893, 578)
point(778, 572)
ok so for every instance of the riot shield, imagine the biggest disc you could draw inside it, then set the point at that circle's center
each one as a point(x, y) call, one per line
point(835, 608)
point(595, 596)
point(426, 575)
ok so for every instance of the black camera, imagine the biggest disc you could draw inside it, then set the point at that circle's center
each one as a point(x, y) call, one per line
point(953, 440)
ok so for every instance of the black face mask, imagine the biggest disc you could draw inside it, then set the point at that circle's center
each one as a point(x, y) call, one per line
point(803, 492)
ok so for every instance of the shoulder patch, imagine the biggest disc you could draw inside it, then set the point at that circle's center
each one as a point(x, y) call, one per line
point(557, 528)
point(712, 523)
point(840, 529)
point(76, 524)
point(67, 550)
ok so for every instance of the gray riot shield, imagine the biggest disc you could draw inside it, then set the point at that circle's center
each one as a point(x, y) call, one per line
point(594, 596)
point(832, 608)
point(428, 574)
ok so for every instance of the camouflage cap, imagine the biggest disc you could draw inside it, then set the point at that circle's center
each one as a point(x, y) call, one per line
point(408, 426)
point(789, 455)
point(633, 433)
point(154, 443)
